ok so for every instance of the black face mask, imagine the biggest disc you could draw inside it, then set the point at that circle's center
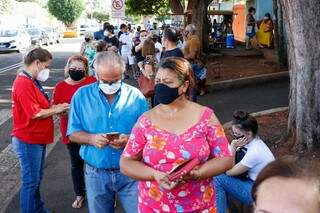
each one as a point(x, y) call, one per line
point(76, 75)
point(87, 39)
point(165, 94)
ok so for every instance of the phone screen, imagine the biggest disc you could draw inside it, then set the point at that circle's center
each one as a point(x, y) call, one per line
point(113, 136)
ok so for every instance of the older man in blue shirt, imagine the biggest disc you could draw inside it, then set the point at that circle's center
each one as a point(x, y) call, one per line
point(104, 107)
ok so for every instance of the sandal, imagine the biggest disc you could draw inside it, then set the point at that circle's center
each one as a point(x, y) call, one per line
point(78, 203)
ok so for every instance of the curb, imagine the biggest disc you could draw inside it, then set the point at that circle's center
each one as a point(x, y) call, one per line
point(10, 170)
point(255, 114)
point(247, 81)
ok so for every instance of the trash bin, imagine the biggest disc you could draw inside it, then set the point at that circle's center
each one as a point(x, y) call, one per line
point(230, 41)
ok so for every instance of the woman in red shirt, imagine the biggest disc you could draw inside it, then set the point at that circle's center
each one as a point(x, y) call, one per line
point(77, 76)
point(32, 125)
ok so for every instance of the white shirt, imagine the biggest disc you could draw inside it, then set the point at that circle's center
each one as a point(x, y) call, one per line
point(257, 157)
point(126, 39)
point(159, 47)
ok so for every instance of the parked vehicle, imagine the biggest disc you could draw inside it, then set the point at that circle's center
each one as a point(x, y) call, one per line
point(14, 40)
point(83, 28)
point(38, 36)
point(88, 28)
point(53, 34)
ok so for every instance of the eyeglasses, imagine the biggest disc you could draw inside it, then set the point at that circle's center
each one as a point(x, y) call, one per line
point(237, 137)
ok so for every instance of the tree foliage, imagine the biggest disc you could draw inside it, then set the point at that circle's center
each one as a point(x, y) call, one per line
point(5, 6)
point(66, 11)
point(99, 16)
point(145, 7)
point(27, 1)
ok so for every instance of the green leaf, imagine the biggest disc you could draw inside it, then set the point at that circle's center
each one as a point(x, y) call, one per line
point(66, 11)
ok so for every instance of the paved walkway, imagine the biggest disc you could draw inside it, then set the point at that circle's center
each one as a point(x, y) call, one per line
point(57, 186)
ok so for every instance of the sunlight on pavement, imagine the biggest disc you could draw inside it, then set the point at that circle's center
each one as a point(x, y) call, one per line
point(66, 45)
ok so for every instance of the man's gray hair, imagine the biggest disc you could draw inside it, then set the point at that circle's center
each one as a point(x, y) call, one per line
point(191, 28)
point(111, 58)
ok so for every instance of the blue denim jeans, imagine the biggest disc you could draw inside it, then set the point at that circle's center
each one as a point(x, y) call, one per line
point(103, 186)
point(31, 158)
point(234, 187)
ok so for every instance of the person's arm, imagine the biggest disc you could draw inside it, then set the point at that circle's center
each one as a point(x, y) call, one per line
point(131, 160)
point(82, 49)
point(83, 138)
point(222, 160)
point(31, 106)
point(76, 132)
point(139, 46)
point(238, 169)
point(134, 168)
point(54, 110)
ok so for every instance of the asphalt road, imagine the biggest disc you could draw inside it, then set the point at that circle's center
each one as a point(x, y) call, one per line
point(10, 61)
point(56, 187)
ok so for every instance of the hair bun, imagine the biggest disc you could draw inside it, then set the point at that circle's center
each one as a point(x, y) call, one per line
point(240, 115)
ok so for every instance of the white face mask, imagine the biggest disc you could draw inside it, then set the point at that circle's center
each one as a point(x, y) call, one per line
point(43, 75)
point(110, 89)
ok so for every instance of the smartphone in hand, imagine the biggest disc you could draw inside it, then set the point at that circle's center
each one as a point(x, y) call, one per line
point(111, 136)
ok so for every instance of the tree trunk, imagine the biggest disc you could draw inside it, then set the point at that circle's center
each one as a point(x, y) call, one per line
point(279, 39)
point(176, 6)
point(200, 20)
point(302, 22)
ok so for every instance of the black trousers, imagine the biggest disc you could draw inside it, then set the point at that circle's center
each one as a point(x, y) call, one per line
point(77, 169)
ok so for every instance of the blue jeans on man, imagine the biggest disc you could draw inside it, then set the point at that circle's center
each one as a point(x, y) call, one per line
point(31, 158)
point(104, 185)
point(234, 187)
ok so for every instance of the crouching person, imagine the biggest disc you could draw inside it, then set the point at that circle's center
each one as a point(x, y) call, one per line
point(101, 118)
point(251, 156)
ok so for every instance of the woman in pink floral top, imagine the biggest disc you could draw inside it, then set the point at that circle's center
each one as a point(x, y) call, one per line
point(171, 133)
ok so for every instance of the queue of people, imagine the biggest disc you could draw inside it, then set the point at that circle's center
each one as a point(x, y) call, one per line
point(135, 46)
point(122, 148)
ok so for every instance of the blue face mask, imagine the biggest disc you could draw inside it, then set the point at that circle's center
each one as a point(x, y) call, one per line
point(165, 94)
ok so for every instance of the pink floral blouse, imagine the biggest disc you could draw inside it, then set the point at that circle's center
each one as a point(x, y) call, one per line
point(163, 150)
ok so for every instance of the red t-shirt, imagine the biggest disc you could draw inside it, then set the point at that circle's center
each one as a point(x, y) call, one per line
point(63, 94)
point(27, 101)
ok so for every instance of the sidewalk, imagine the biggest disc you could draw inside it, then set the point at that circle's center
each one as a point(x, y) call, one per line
point(57, 186)
point(232, 64)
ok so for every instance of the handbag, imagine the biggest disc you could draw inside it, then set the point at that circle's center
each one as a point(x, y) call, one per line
point(182, 169)
point(146, 86)
point(239, 155)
